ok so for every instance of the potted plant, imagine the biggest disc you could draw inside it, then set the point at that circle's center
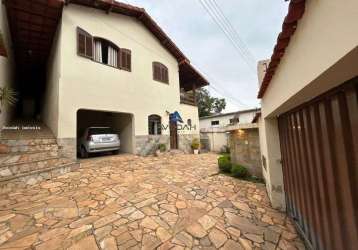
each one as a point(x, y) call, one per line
point(7, 97)
point(195, 145)
point(161, 148)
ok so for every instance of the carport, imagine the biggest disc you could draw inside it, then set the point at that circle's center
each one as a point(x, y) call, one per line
point(121, 123)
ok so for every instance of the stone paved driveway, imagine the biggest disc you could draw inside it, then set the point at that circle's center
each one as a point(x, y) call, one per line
point(131, 202)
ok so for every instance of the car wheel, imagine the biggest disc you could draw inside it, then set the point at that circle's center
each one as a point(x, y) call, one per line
point(84, 153)
point(115, 152)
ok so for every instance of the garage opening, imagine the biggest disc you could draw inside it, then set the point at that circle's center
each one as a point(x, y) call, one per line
point(92, 122)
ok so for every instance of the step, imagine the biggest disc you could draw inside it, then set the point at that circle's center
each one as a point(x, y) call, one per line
point(21, 157)
point(15, 169)
point(12, 183)
point(27, 142)
point(33, 148)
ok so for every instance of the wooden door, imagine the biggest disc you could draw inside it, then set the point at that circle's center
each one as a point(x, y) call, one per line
point(173, 135)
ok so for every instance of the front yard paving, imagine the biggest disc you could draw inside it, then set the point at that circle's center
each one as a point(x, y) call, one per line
point(131, 202)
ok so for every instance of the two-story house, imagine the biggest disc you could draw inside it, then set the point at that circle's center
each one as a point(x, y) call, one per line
point(85, 63)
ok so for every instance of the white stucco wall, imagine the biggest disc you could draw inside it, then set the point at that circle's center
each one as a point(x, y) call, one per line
point(189, 112)
point(6, 64)
point(322, 54)
point(223, 121)
point(90, 85)
point(50, 108)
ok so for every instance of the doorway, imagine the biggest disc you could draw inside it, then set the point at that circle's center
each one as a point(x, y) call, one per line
point(173, 127)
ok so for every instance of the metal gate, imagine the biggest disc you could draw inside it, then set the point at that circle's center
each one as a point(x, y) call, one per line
point(319, 146)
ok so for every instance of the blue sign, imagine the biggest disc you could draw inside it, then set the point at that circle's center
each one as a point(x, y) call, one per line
point(175, 117)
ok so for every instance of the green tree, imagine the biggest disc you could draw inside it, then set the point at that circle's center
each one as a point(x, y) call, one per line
point(207, 104)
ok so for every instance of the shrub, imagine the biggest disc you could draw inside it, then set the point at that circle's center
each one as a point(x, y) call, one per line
point(162, 147)
point(224, 164)
point(239, 171)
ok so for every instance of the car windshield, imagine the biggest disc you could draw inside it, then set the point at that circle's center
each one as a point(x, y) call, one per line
point(99, 131)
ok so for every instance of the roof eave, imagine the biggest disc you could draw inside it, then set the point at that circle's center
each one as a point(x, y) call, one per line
point(295, 13)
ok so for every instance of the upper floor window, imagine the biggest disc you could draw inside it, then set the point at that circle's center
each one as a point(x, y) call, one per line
point(213, 123)
point(160, 72)
point(106, 52)
point(103, 51)
point(154, 125)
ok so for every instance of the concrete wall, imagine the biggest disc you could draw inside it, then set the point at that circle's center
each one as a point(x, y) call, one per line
point(245, 150)
point(85, 84)
point(217, 139)
point(322, 54)
point(6, 64)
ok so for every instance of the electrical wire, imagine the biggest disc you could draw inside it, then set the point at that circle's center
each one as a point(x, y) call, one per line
point(236, 34)
point(226, 95)
point(221, 24)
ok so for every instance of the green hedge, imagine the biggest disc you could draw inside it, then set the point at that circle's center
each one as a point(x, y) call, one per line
point(239, 171)
point(224, 164)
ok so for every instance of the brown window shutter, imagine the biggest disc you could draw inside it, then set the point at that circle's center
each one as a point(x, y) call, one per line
point(155, 69)
point(125, 59)
point(160, 72)
point(84, 43)
point(81, 44)
point(166, 78)
point(129, 60)
point(89, 46)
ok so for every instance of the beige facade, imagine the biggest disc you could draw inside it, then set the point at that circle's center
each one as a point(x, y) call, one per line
point(322, 54)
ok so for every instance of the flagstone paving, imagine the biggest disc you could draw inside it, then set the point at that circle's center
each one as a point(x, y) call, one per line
point(131, 202)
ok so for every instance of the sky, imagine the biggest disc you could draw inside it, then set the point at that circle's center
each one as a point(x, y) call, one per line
point(257, 22)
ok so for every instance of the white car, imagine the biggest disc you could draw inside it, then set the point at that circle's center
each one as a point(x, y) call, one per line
point(98, 139)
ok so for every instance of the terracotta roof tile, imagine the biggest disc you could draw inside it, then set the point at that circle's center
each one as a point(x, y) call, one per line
point(296, 10)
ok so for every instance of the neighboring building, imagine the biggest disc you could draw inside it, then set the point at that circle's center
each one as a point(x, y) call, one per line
point(309, 122)
point(93, 63)
point(213, 129)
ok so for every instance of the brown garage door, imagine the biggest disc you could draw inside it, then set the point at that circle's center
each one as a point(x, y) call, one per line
point(319, 145)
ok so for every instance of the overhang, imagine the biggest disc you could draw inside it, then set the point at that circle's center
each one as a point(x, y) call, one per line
point(33, 24)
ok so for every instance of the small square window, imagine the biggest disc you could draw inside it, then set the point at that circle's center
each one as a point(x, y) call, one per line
point(215, 123)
